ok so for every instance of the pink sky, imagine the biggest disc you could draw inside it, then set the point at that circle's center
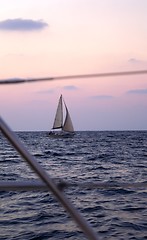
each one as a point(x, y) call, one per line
point(74, 37)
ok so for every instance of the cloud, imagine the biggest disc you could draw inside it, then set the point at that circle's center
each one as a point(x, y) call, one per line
point(49, 91)
point(136, 61)
point(53, 90)
point(138, 91)
point(19, 24)
point(101, 97)
point(70, 87)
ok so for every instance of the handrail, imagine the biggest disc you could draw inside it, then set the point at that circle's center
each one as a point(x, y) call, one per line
point(39, 185)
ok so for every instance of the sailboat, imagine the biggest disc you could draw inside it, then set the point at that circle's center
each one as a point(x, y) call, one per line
point(61, 127)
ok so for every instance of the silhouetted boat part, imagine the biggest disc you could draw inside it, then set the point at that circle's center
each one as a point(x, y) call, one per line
point(62, 126)
point(93, 75)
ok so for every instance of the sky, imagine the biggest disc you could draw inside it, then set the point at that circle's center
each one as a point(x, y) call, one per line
point(44, 38)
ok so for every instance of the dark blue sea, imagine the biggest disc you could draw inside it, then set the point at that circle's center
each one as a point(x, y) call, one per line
point(89, 157)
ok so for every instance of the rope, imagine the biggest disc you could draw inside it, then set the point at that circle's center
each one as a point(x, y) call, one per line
point(93, 75)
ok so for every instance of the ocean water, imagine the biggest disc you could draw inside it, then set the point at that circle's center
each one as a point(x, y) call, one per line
point(89, 157)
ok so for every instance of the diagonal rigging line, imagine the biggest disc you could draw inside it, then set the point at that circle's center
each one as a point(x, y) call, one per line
point(93, 75)
point(83, 224)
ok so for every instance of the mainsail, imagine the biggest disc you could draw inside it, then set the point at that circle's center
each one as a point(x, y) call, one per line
point(58, 122)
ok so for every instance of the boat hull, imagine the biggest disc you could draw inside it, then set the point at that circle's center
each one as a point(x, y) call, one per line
point(61, 134)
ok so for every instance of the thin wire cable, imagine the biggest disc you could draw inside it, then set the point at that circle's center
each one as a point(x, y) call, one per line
point(93, 75)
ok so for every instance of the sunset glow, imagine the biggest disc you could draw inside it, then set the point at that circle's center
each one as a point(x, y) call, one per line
point(55, 38)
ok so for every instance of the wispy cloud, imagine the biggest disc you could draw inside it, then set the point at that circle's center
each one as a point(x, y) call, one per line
point(70, 87)
point(135, 61)
point(137, 91)
point(20, 24)
point(53, 90)
point(49, 91)
point(101, 97)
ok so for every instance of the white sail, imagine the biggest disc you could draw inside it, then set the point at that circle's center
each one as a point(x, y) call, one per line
point(68, 126)
point(58, 122)
point(67, 129)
